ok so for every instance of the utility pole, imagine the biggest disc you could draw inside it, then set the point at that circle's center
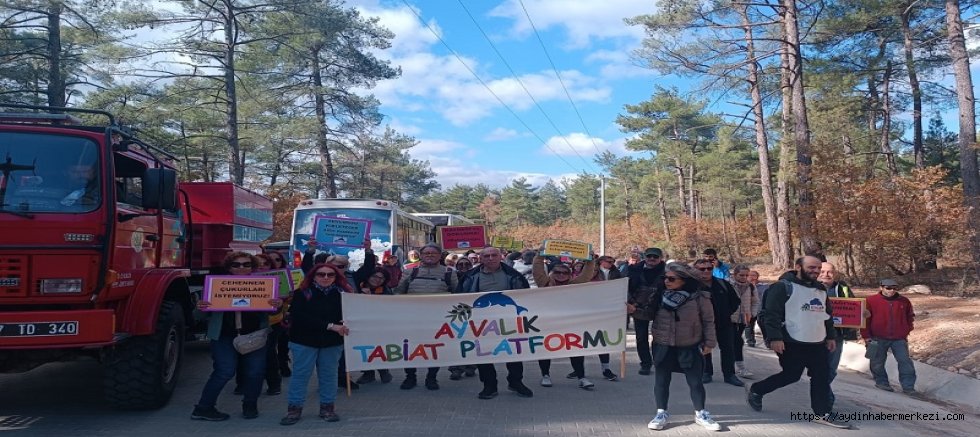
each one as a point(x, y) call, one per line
point(602, 215)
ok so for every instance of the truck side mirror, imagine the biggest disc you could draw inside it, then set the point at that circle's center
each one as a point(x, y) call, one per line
point(159, 188)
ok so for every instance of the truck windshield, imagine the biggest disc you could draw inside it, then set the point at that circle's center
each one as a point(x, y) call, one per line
point(48, 173)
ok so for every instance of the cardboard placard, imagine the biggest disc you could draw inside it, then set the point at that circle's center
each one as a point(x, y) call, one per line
point(343, 232)
point(462, 237)
point(297, 276)
point(240, 292)
point(848, 312)
point(571, 249)
point(286, 284)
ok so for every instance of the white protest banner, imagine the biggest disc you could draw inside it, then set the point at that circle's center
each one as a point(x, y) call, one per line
point(391, 332)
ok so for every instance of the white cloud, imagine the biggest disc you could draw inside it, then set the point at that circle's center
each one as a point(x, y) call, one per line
point(443, 84)
point(501, 134)
point(456, 163)
point(582, 20)
point(581, 144)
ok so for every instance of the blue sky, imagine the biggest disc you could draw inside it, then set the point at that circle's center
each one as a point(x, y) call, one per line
point(465, 133)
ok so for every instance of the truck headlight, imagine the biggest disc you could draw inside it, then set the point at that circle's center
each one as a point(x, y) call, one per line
point(72, 285)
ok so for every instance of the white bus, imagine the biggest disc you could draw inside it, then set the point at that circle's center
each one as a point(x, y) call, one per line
point(393, 231)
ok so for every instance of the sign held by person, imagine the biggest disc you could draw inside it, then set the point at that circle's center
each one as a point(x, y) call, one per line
point(240, 292)
point(848, 312)
point(343, 232)
point(285, 280)
point(462, 237)
point(571, 249)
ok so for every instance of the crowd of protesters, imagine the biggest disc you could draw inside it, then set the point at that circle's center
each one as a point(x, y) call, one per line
point(681, 312)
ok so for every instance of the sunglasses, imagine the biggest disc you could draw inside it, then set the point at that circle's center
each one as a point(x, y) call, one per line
point(464, 265)
point(705, 269)
point(341, 266)
point(891, 288)
point(671, 278)
point(325, 274)
point(653, 256)
point(239, 265)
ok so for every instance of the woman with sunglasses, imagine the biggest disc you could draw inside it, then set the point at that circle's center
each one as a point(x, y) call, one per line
point(272, 377)
point(683, 327)
point(561, 274)
point(316, 330)
point(223, 327)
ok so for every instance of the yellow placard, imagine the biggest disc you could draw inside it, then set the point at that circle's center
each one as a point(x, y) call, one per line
point(504, 242)
point(571, 249)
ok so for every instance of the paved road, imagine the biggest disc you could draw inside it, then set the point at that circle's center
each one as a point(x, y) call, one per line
point(63, 399)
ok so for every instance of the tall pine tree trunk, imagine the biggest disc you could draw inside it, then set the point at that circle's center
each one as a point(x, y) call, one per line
point(917, 150)
point(806, 216)
point(779, 257)
point(662, 205)
point(968, 127)
point(236, 164)
point(322, 145)
point(885, 143)
point(786, 155)
point(56, 81)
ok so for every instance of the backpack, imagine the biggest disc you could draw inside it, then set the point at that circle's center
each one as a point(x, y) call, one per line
point(761, 318)
point(447, 278)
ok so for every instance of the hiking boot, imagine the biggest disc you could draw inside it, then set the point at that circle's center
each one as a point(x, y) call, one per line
point(704, 419)
point(520, 389)
point(585, 384)
point(469, 372)
point(366, 378)
point(208, 413)
point(293, 414)
point(733, 380)
point(609, 375)
point(659, 421)
point(487, 393)
point(328, 414)
point(644, 369)
point(409, 383)
point(910, 391)
point(754, 400)
point(455, 374)
point(706, 378)
point(571, 375)
point(385, 376)
point(431, 384)
point(546, 381)
point(250, 410)
point(884, 387)
point(272, 391)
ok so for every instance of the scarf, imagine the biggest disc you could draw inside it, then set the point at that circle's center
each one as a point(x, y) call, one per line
point(308, 293)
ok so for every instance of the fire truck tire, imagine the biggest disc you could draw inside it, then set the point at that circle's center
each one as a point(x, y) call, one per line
point(142, 373)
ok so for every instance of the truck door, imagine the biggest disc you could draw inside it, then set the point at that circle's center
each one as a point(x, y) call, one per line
point(137, 231)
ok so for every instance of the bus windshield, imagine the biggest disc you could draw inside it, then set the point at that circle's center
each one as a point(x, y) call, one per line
point(380, 231)
point(48, 173)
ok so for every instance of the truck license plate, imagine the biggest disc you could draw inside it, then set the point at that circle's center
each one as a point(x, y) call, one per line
point(38, 329)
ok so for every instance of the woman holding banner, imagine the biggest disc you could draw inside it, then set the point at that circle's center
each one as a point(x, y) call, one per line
point(561, 274)
point(683, 328)
point(316, 330)
point(223, 327)
point(375, 283)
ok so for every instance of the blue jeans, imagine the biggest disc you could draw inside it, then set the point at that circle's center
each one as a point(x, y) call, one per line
point(305, 358)
point(900, 350)
point(225, 362)
point(833, 360)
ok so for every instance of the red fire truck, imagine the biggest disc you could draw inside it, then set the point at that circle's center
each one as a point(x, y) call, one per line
point(101, 248)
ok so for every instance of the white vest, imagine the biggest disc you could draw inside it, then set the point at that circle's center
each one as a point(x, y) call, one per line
point(806, 312)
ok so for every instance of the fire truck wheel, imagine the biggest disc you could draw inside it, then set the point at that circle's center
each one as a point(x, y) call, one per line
point(142, 372)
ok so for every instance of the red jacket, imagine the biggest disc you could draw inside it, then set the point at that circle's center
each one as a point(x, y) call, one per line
point(891, 319)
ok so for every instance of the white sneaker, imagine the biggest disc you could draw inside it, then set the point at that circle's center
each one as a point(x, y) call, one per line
point(546, 381)
point(704, 419)
point(585, 384)
point(744, 373)
point(659, 421)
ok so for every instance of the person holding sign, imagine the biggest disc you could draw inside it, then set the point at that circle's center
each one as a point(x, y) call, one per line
point(836, 288)
point(889, 325)
point(561, 274)
point(316, 330)
point(223, 327)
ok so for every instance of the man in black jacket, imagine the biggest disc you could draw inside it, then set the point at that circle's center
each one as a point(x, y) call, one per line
point(493, 275)
point(645, 278)
point(796, 314)
point(725, 302)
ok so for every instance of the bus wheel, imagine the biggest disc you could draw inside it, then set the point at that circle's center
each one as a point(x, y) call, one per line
point(141, 373)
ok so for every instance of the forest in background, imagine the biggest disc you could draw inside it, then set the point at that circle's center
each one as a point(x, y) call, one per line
point(840, 147)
